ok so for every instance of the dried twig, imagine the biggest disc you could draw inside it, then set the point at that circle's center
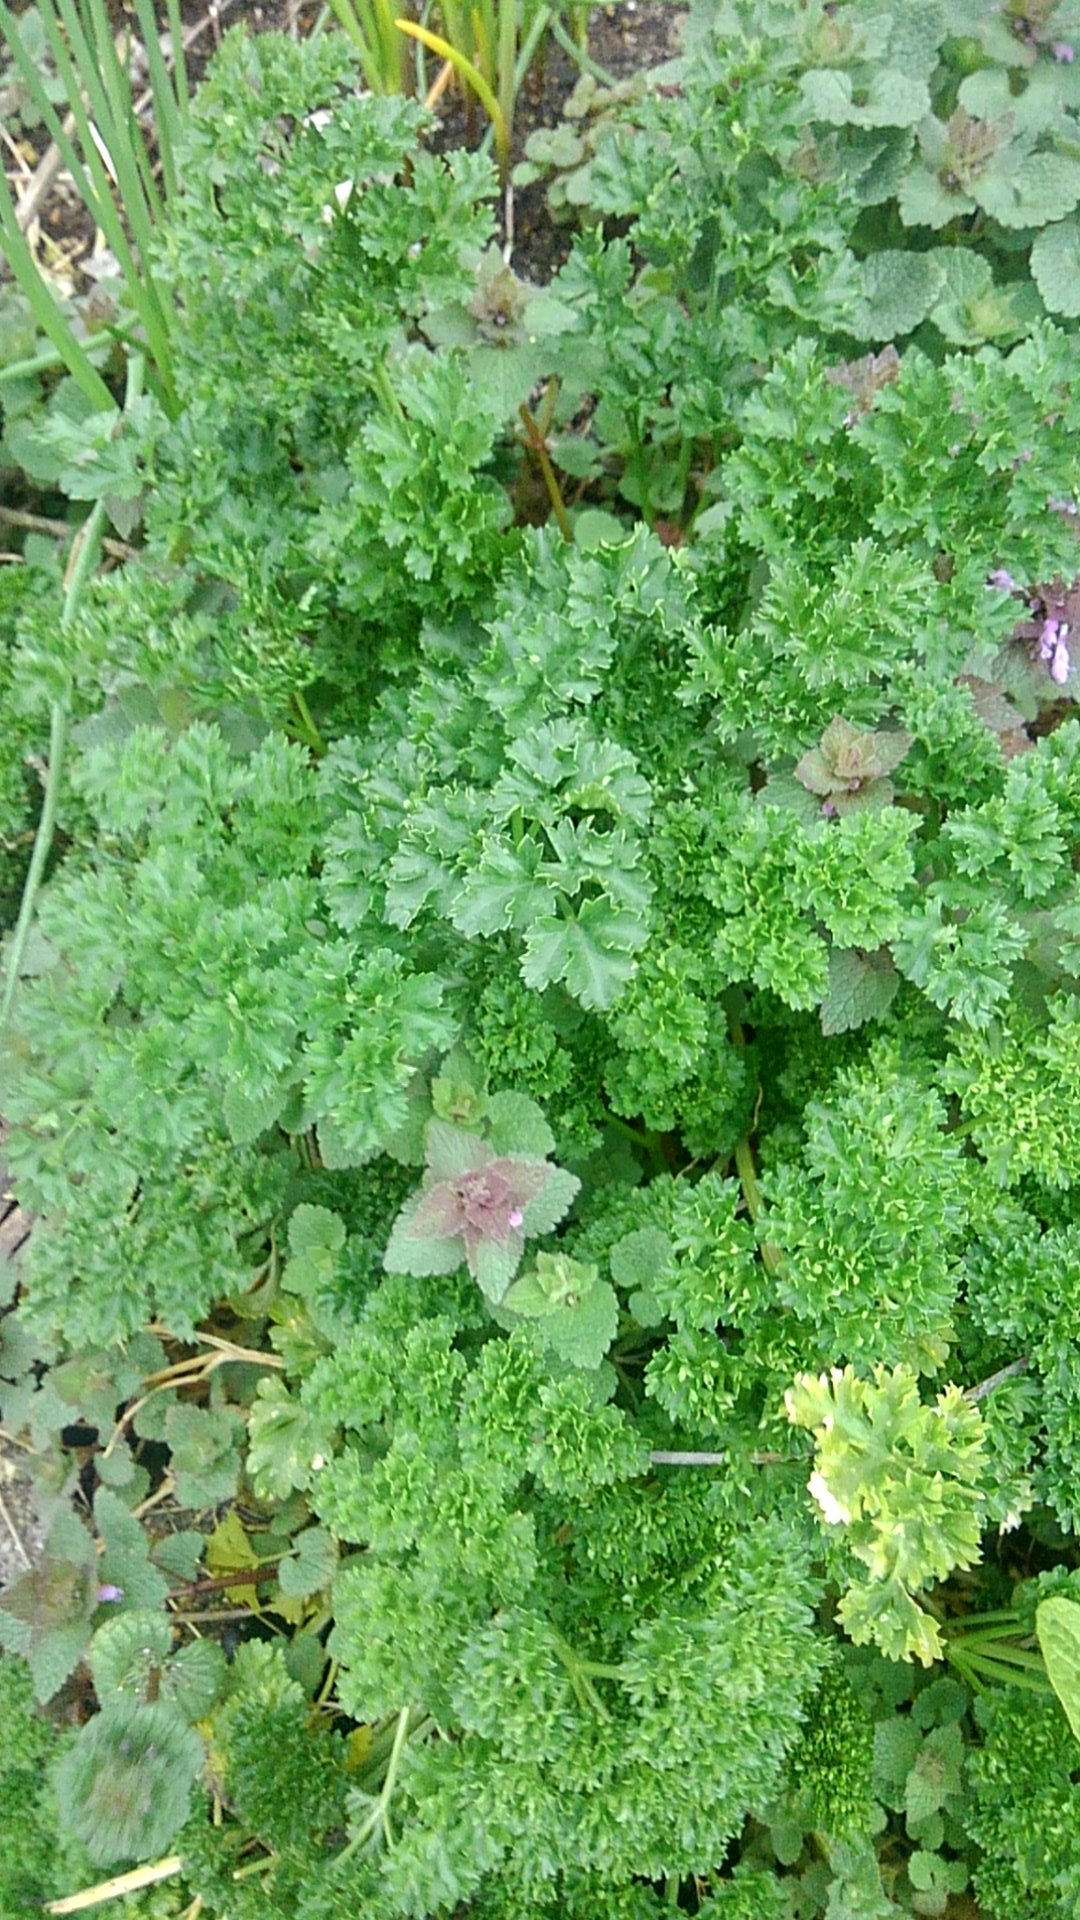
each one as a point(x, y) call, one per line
point(16, 1536)
point(121, 1883)
point(59, 529)
point(975, 1394)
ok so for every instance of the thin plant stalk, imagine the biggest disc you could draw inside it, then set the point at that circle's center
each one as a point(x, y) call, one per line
point(473, 78)
point(99, 97)
point(371, 26)
point(576, 45)
point(169, 95)
point(68, 350)
point(84, 553)
point(509, 25)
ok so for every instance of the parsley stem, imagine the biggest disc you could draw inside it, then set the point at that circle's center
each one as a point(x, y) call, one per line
point(379, 1815)
point(543, 461)
point(84, 552)
point(306, 727)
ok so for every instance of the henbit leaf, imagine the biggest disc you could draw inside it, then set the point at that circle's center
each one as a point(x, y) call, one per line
point(127, 1654)
point(410, 1252)
point(1045, 187)
point(451, 1151)
point(494, 1264)
point(1057, 1624)
point(1055, 267)
point(924, 201)
point(316, 1237)
point(888, 99)
point(862, 986)
point(516, 1124)
point(248, 1114)
point(124, 1786)
point(543, 1213)
point(641, 1258)
point(126, 1560)
point(581, 1330)
point(313, 1229)
point(311, 1565)
point(555, 1280)
point(180, 1554)
point(899, 289)
point(194, 1679)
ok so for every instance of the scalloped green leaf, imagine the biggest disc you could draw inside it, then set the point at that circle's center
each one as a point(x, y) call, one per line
point(1055, 267)
point(899, 289)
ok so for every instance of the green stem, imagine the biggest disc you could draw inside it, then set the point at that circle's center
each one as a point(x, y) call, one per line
point(47, 821)
point(307, 729)
point(83, 555)
point(379, 1817)
point(543, 461)
point(578, 54)
point(26, 369)
point(650, 1143)
point(599, 1670)
point(755, 1203)
point(380, 380)
point(256, 1866)
point(639, 468)
point(747, 1172)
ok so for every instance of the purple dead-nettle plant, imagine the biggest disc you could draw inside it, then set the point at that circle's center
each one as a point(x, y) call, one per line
point(1053, 629)
point(476, 1208)
point(865, 378)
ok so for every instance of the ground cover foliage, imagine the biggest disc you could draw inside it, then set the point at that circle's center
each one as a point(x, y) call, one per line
point(547, 1060)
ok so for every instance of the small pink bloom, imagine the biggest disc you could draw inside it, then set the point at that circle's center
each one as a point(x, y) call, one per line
point(1062, 50)
point(108, 1593)
point(516, 1218)
point(1002, 579)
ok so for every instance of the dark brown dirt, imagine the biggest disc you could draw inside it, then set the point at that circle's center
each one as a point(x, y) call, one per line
point(625, 37)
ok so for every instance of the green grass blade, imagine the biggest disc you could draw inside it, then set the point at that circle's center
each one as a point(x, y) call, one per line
point(28, 74)
point(179, 57)
point(105, 202)
point(124, 131)
point(367, 46)
point(471, 75)
point(167, 111)
point(92, 73)
point(46, 310)
point(508, 32)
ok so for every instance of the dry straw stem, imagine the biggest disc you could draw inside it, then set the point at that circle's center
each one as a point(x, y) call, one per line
point(119, 1885)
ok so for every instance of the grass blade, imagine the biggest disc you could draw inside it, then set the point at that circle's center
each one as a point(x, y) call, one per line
point(168, 113)
point(46, 310)
point(473, 78)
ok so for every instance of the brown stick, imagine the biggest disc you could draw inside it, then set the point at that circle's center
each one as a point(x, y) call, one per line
point(543, 461)
point(59, 529)
point(243, 1577)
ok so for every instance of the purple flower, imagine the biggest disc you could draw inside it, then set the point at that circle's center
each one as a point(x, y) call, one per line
point(1062, 50)
point(1049, 638)
point(476, 1209)
point(1064, 506)
point(108, 1593)
point(480, 1205)
point(1002, 579)
point(1052, 647)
